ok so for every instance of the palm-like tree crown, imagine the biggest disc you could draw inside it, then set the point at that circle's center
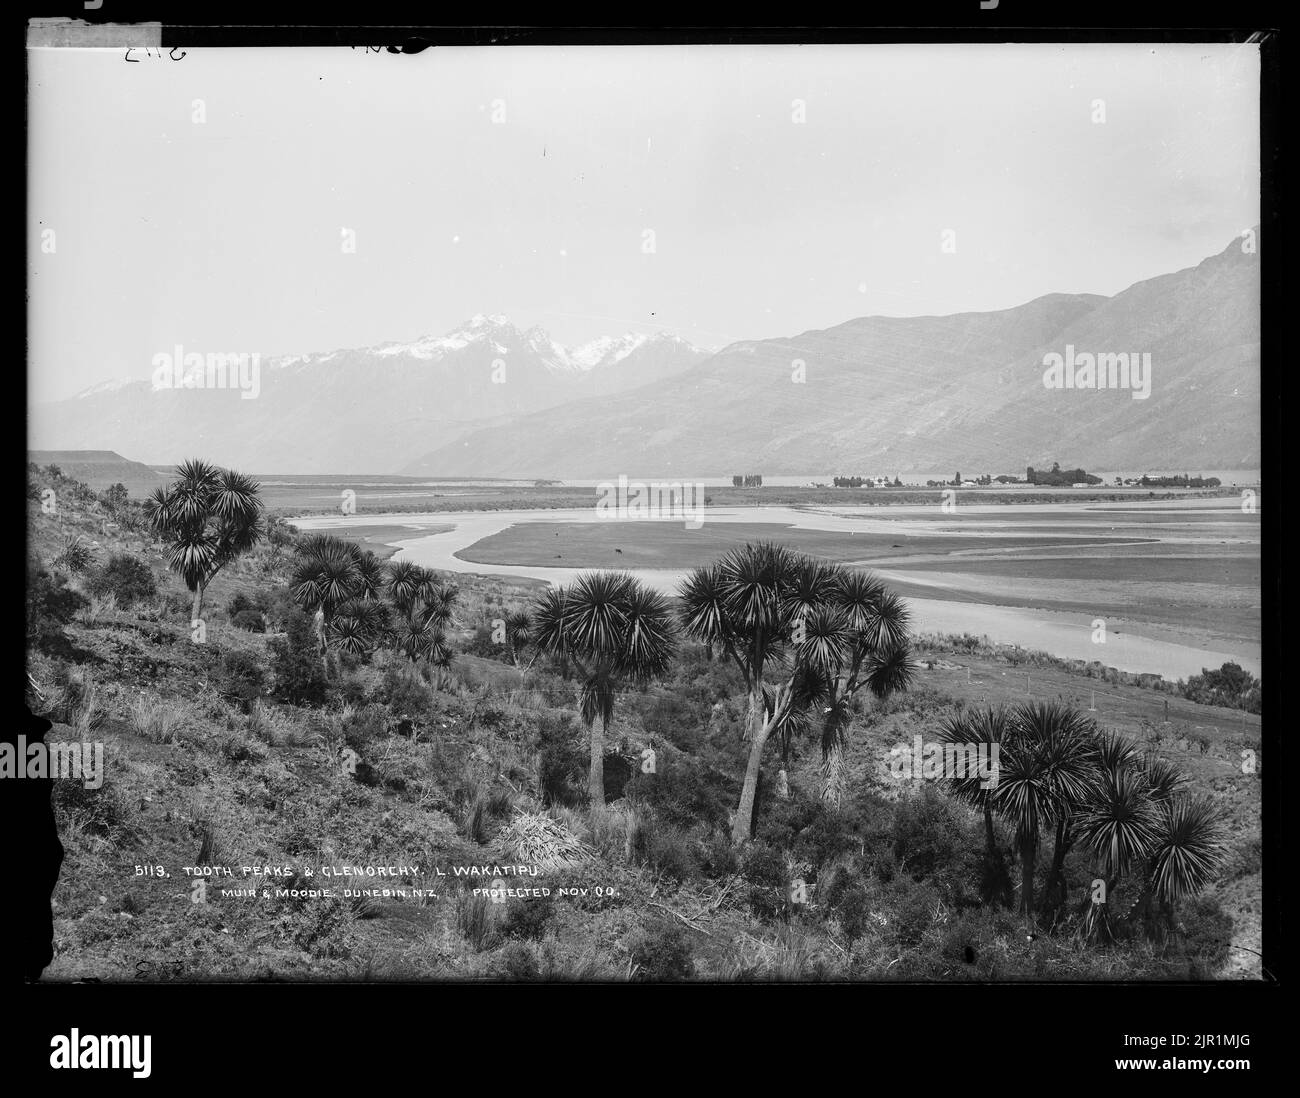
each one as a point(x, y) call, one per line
point(1189, 849)
point(987, 726)
point(606, 620)
point(208, 516)
point(328, 573)
point(1120, 823)
point(1047, 767)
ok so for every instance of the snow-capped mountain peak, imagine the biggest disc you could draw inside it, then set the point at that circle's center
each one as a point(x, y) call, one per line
point(109, 386)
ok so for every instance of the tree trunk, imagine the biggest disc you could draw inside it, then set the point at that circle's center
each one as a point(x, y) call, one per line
point(1026, 877)
point(833, 776)
point(743, 822)
point(755, 713)
point(1098, 925)
point(596, 776)
point(196, 608)
point(1054, 896)
point(995, 887)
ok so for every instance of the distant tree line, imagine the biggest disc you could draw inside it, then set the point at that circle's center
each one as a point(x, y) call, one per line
point(1183, 481)
point(749, 480)
point(858, 482)
point(1230, 686)
point(957, 481)
point(1058, 477)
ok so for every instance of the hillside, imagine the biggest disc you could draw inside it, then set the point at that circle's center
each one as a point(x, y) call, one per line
point(98, 469)
point(208, 764)
point(925, 393)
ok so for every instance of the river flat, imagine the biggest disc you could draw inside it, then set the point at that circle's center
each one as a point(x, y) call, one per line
point(1175, 582)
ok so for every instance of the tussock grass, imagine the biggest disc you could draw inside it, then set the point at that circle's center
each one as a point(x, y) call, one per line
point(277, 728)
point(542, 840)
point(158, 720)
point(476, 920)
point(613, 828)
point(81, 706)
point(99, 609)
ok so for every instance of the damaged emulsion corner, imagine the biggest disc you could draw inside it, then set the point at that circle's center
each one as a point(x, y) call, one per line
point(34, 816)
point(62, 33)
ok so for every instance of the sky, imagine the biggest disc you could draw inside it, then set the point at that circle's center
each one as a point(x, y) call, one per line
point(719, 193)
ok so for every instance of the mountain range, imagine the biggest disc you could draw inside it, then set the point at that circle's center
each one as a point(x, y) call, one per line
point(371, 409)
point(874, 394)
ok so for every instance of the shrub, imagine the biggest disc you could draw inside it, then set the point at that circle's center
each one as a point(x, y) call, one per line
point(528, 919)
point(686, 793)
point(51, 605)
point(783, 820)
point(561, 760)
point(862, 828)
point(764, 870)
point(249, 620)
point(102, 812)
point(280, 533)
point(242, 677)
point(481, 644)
point(661, 953)
point(318, 929)
point(278, 606)
point(854, 912)
point(663, 848)
point(238, 604)
point(929, 835)
point(673, 719)
point(517, 961)
point(1246, 858)
point(76, 556)
point(350, 688)
point(912, 911)
point(115, 497)
point(299, 671)
point(177, 605)
point(406, 693)
point(365, 725)
point(1229, 686)
point(126, 578)
point(717, 856)
point(1204, 934)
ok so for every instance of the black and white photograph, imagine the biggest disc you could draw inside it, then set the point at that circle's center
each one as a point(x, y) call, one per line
point(666, 511)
